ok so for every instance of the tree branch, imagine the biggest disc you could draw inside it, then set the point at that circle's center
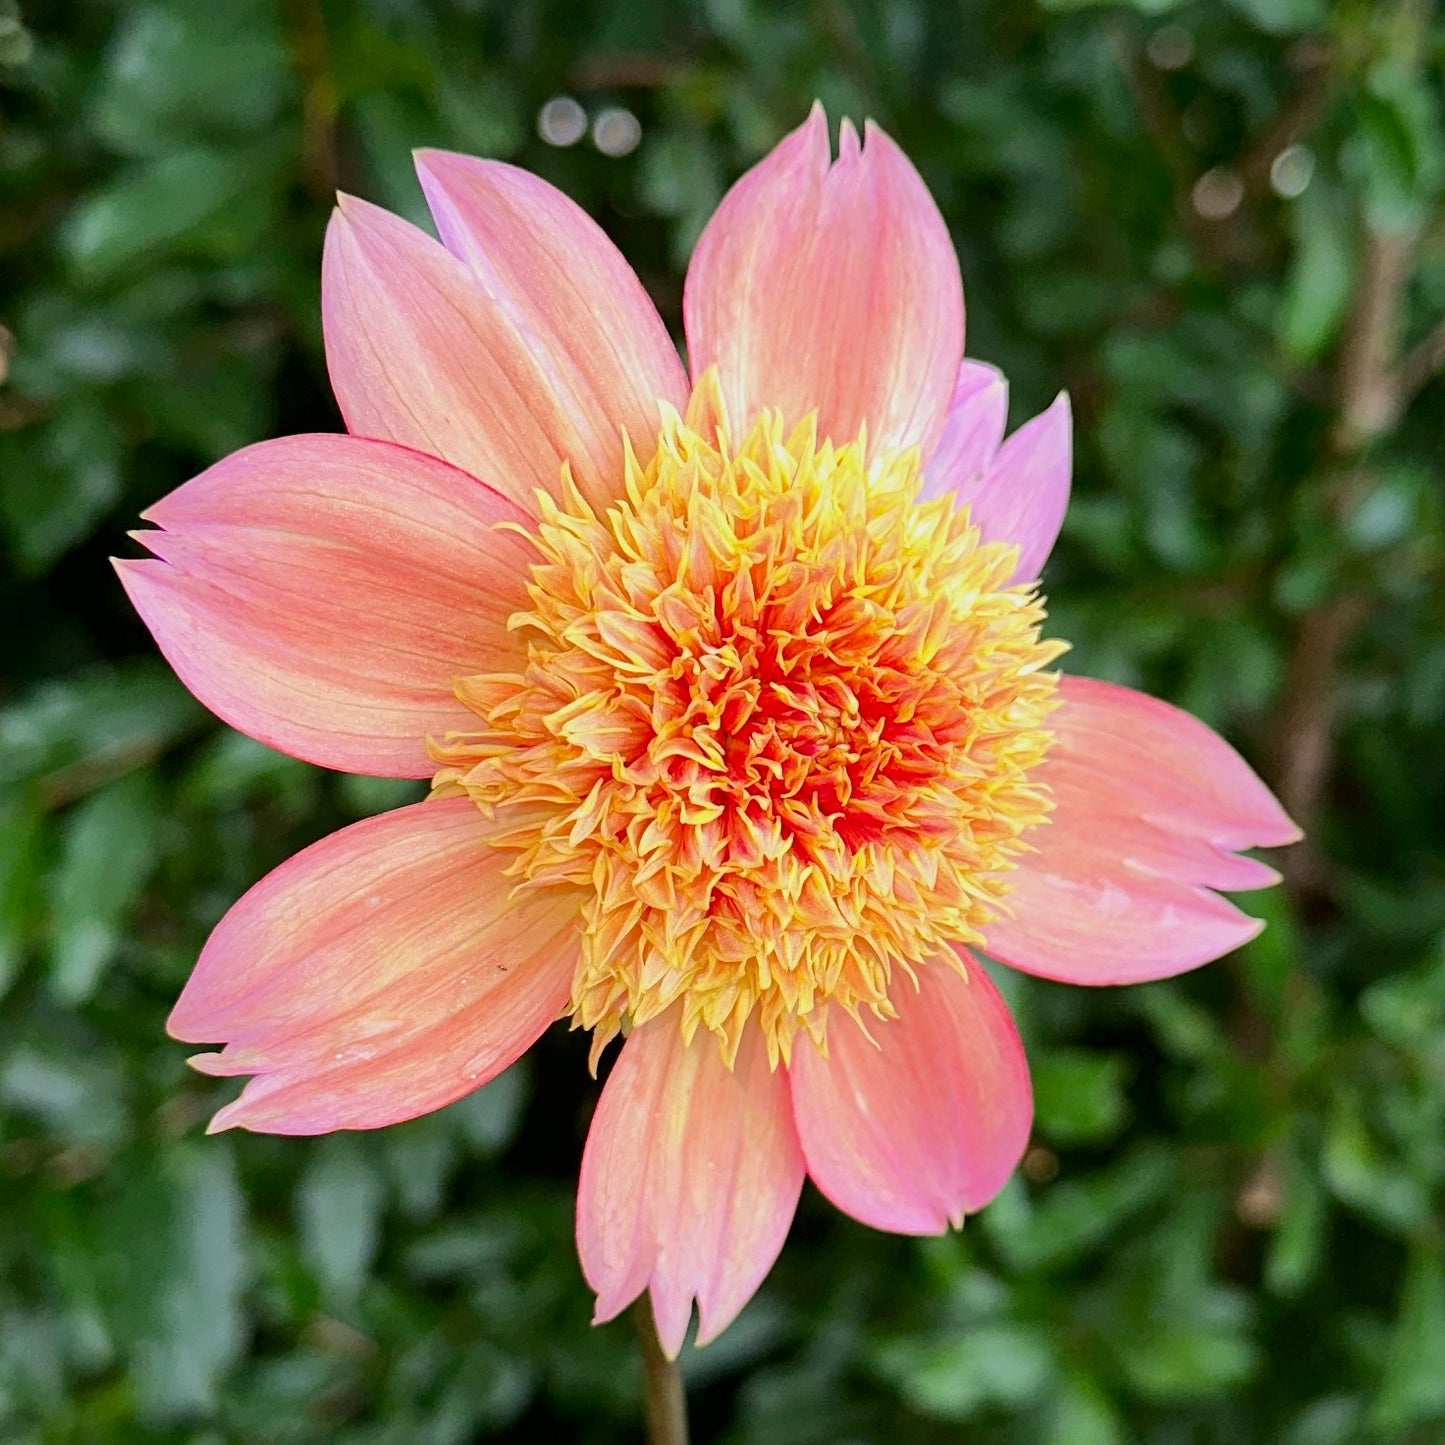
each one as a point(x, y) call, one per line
point(1370, 399)
point(1422, 362)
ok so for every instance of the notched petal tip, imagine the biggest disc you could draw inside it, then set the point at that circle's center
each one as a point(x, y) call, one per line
point(517, 338)
point(689, 1180)
point(913, 1135)
point(431, 164)
point(351, 1022)
point(367, 230)
point(189, 1022)
point(853, 306)
point(230, 1117)
point(1275, 827)
point(1152, 809)
point(320, 593)
point(1250, 931)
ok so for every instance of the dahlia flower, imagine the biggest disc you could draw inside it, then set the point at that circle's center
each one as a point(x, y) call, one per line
point(732, 688)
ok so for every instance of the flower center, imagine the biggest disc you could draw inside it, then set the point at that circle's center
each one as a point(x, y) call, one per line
point(777, 721)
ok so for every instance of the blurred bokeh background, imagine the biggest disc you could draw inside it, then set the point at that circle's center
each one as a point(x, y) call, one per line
point(1218, 225)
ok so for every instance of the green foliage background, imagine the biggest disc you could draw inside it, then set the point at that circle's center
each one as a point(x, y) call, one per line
point(1229, 1229)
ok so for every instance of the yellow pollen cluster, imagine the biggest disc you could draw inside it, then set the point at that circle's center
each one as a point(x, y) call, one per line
point(777, 723)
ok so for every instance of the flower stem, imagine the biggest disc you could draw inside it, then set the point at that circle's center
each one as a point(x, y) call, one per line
point(666, 1405)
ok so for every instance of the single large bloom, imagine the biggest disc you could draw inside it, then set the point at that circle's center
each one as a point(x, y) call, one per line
point(732, 688)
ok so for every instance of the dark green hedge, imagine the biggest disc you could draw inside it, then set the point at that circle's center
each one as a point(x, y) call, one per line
point(1217, 224)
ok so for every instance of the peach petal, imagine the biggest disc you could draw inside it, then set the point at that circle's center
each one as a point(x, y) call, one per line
point(972, 431)
point(382, 973)
point(585, 320)
point(914, 1131)
point(1150, 807)
point(420, 353)
point(1022, 495)
point(690, 1177)
point(830, 288)
point(320, 593)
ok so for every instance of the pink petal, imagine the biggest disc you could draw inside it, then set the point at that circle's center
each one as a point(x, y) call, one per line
point(1150, 806)
point(382, 973)
point(480, 369)
point(572, 302)
point(690, 1177)
point(322, 592)
point(972, 430)
point(830, 288)
point(1022, 495)
point(925, 1126)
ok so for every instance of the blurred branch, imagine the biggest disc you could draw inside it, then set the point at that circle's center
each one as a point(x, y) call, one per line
point(630, 70)
point(1228, 238)
point(1160, 117)
point(1370, 398)
point(1373, 388)
point(1424, 361)
point(320, 171)
point(1306, 733)
point(1312, 59)
point(1370, 393)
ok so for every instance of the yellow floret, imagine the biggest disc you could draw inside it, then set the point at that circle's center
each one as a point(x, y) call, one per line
point(778, 721)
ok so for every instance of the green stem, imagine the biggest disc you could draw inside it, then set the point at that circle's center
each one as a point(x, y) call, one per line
point(666, 1404)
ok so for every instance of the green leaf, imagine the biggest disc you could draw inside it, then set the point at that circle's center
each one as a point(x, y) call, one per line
point(679, 178)
point(1413, 1387)
point(489, 1117)
point(1321, 275)
point(488, 1390)
point(365, 796)
point(212, 203)
point(1274, 957)
point(60, 477)
point(20, 834)
point(77, 732)
point(1284, 17)
point(1144, 7)
point(76, 1094)
point(339, 1206)
point(1334, 1420)
point(1396, 155)
point(17, 45)
point(159, 88)
point(1082, 1415)
point(108, 852)
point(1408, 1011)
point(1071, 1217)
point(1362, 1174)
point(1390, 511)
point(1300, 1239)
point(1079, 1096)
point(1183, 1028)
point(1191, 1353)
point(174, 1252)
point(958, 1375)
